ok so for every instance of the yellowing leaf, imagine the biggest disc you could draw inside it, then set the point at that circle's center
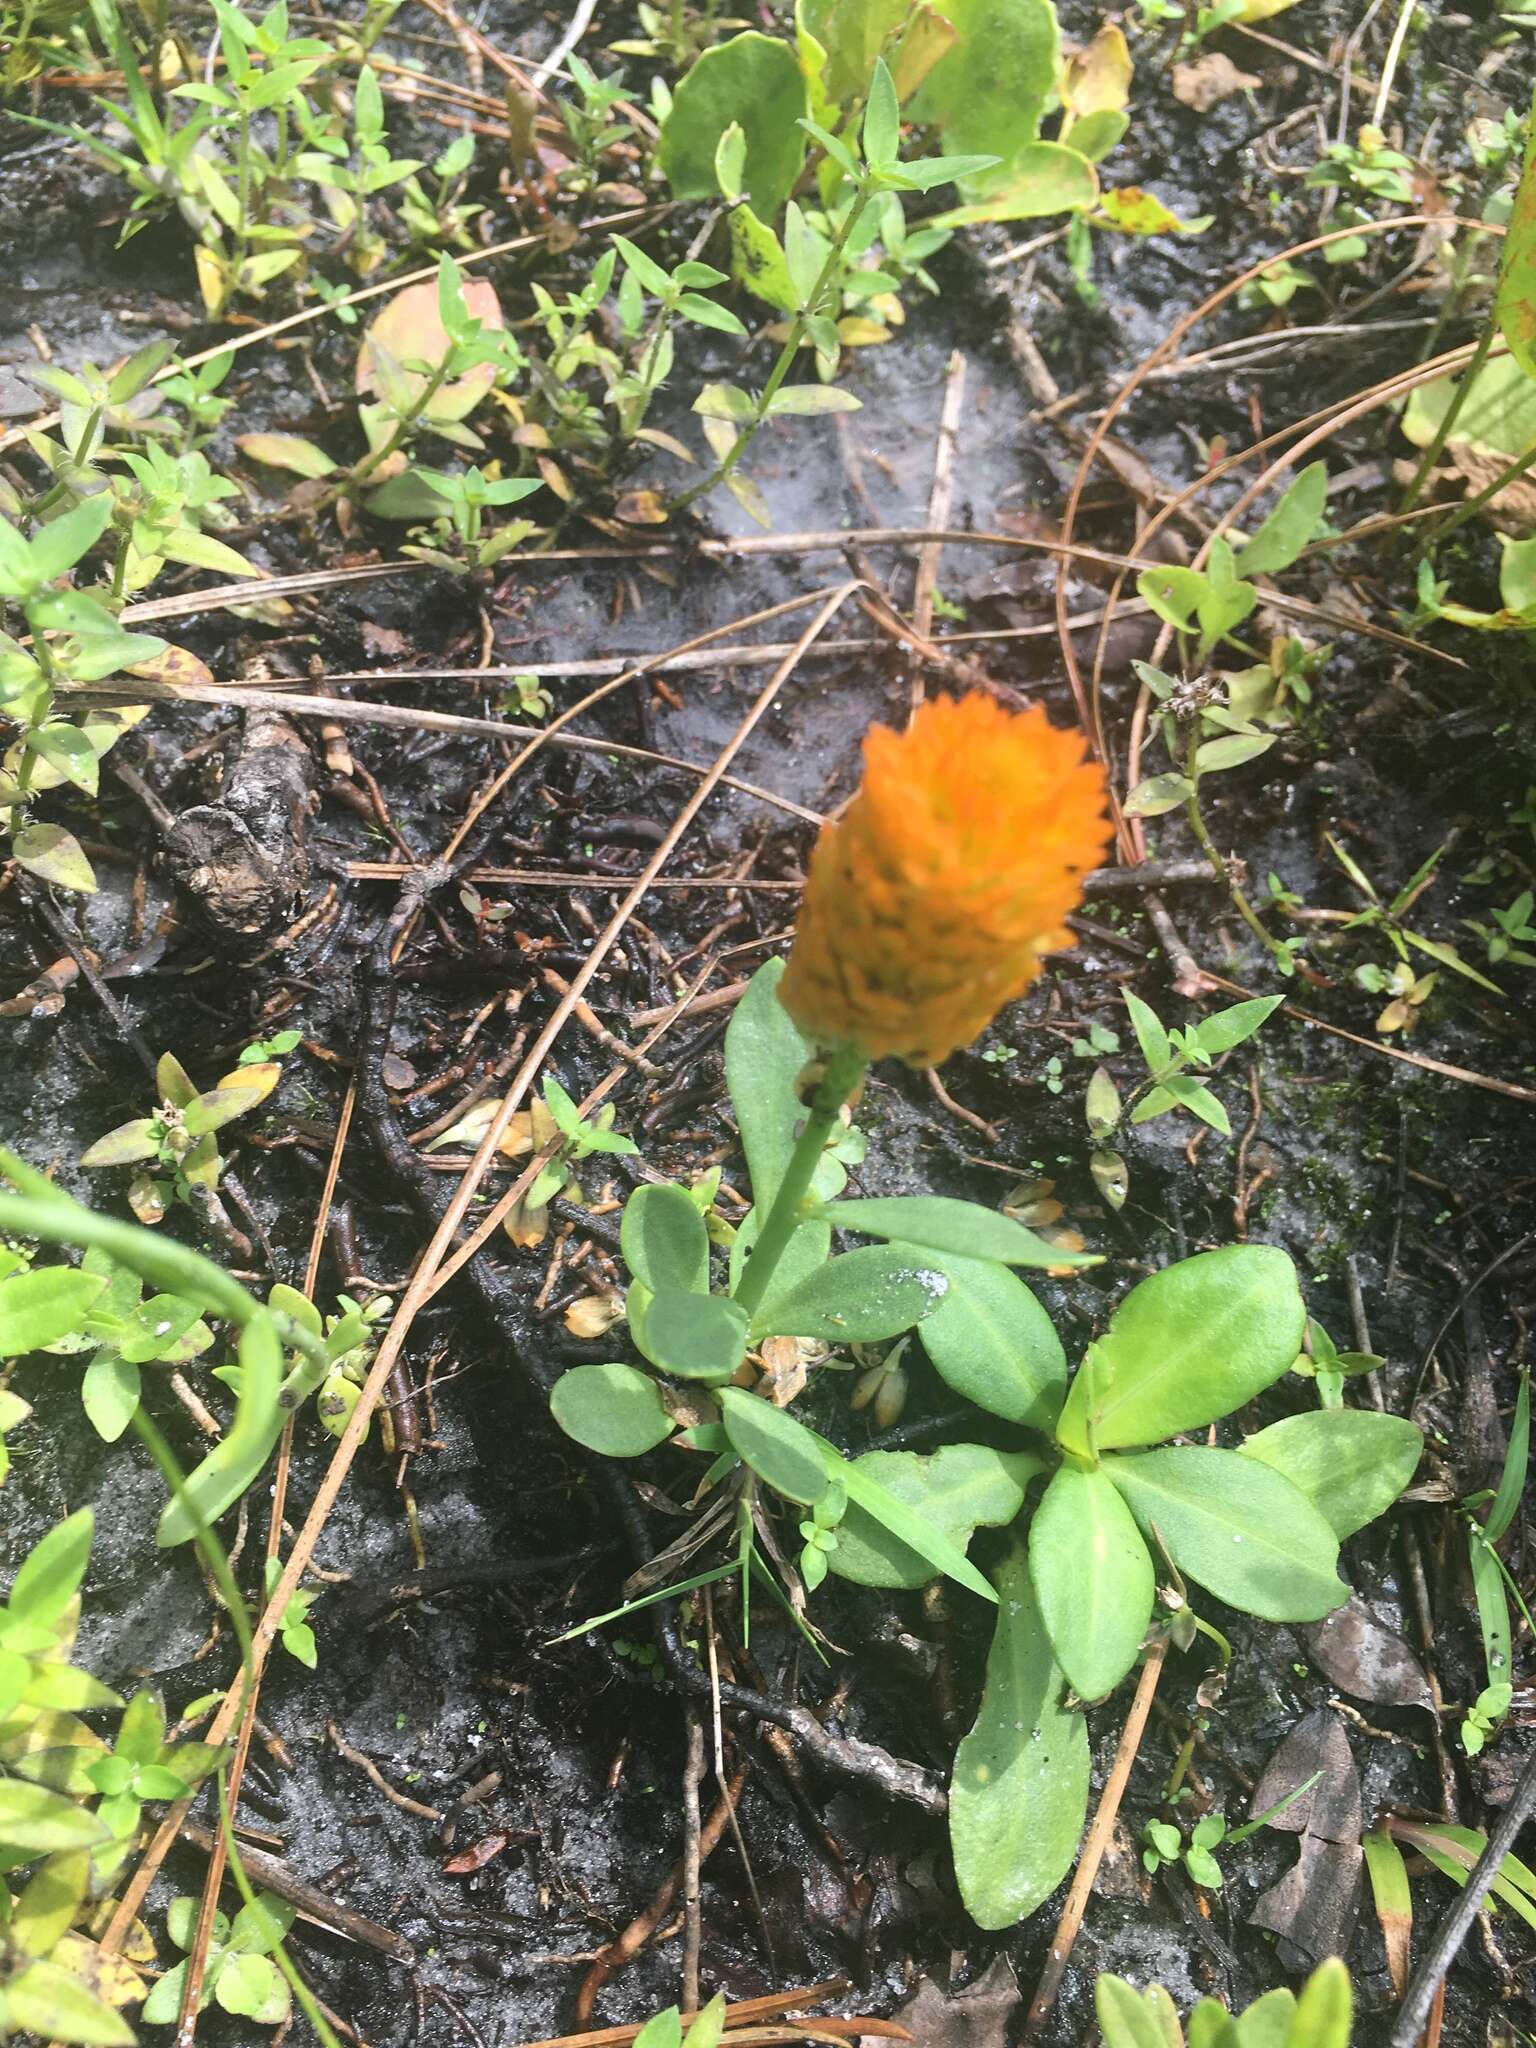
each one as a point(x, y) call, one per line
point(54, 855)
point(1098, 78)
point(112, 1977)
point(1497, 417)
point(855, 332)
point(928, 36)
point(171, 665)
point(528, 1130)
point(286, 451)
point(212, 279)
point(1261, 10)
point(255, 1082)
point(1137, 212)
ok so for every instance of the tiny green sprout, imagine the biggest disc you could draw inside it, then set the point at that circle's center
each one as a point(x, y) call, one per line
point(277, 1047)
point(1507, 936)
point(1485, 1716)
point(584, 1136)
point(528, 698)
point(1098, 1041)
point(1163, 1843)
point(293, 1623)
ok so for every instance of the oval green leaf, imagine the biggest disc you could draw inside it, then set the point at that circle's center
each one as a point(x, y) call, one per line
point(993, 1343)
point(1092, 1577)
point(939, 1224)
point(51, 1572)
point(753, 80)
point(1349, 1462)
point(695, 1336)
point(781, 1451)
point(764, 1055)
point(43, 1305)
point(1186, 1347)
point(1237, 1528)
point(613, 1409)
point(664, 1241)
point(956, 1490)
point(34, 1818)
point(858, 1298)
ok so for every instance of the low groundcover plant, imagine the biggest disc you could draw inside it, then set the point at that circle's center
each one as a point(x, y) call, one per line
point(927, 907)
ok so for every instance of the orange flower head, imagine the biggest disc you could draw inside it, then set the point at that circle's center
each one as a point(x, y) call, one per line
point(928, 906)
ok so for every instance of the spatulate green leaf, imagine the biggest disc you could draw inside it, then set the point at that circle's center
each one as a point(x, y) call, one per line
point(1351, 1463)
point(613, 1409)
point(1093, 1579)
point(992, 1342)
point(857, 1298)
point(1019, 1793)
point(939, 1224)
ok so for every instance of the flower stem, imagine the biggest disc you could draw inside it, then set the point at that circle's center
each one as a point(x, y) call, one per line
point(844, 1071)
point(1245, 910)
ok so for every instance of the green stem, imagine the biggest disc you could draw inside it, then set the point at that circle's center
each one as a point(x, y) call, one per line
point(845, 1069)
point(407, 421)
point(786, 357)
point(243, 160)
point(1442, 433)
point(214, 1556)
point(1245, 910)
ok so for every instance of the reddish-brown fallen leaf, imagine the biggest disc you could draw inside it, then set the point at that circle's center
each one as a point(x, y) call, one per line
point(476, 1857)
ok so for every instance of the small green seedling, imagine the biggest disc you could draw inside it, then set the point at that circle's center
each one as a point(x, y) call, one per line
point(1163, 1842)
point(666, 2029)
point(178, 1136)
point(1492, 1581)
point(1511, 929)
point(298, 1638)
point(239, 1973)
point(1174, 1056)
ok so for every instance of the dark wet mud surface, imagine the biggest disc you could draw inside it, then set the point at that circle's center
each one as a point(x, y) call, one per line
point(1358, 1164)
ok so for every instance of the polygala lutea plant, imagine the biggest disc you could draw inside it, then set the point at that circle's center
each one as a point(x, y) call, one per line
point(927, 907)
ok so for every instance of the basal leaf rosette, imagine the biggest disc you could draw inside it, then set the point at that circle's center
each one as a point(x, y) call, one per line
point(929, 905)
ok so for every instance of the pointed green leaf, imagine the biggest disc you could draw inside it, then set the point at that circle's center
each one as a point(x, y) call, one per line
point(40, 1306)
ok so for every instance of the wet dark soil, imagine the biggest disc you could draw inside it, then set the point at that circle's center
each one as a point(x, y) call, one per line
point(1365, 1168)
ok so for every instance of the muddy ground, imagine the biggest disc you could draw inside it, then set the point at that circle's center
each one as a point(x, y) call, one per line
point(1364, 1163)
